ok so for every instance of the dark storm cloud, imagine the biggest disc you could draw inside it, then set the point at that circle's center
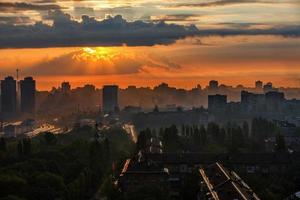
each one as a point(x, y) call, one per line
point(112, 31)
point(116, 31)
point(8, 7)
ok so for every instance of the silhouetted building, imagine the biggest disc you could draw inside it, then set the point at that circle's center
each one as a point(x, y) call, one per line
point(269, 87)
point(8, 95)
point(274, 100)
point(65, 87)
point(110, 98)
point(217, 102)
point(141, 172)
point(213, 85)
point(27, 95)
point(251, 101)
point(258, 84)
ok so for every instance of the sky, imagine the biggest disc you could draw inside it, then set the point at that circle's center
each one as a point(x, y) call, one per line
point(143, 42)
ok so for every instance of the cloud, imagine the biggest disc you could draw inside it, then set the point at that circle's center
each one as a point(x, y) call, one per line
point(242, 29)
point(101, 61)
point(113, 31)
point(17, 6)
point(227, 2)
point(116, 31)
point(15, 20)
point(176, 18)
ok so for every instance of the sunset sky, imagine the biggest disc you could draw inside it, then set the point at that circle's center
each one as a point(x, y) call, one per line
point(143, 42)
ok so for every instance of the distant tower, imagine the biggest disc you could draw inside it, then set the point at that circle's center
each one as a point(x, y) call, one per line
point(28, 88)
point(258, 85)
point(8, 95)
point(65, 87)
point(213, 85)
point(110, 98)
point(268, 87)
point(17, 70)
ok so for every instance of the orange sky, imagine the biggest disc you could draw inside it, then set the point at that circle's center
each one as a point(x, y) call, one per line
point(231, 60)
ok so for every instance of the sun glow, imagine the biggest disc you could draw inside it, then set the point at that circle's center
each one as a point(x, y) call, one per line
point(96, 54)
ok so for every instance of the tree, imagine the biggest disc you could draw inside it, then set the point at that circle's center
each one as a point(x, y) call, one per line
point(20, 148)
point(49, 138)
point(280, 143)
point(203, 135)
point(214, 131)
point(26, 146)
point(156, 109)
point(143, 138)
point(47, 186)
point(171, 139)
point(11, 184)
point(3, 146)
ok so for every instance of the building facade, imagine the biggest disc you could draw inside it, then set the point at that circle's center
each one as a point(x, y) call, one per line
point(8, 95)
point(28, 88)
point(110, 98)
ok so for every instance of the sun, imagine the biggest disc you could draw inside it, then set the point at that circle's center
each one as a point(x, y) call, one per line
point(96, 54)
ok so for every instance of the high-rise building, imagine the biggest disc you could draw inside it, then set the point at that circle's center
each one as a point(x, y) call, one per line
point(217, 102)
point(274, 100)
point(27, 87)
point(269, 88)
point(213, 85)
point(65, 87)
point(8, 95)
point(110, 98)
point(258, 84)
point(251, 101)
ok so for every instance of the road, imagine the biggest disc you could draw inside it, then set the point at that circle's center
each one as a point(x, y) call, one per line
point(44, 128)
point(130, 129)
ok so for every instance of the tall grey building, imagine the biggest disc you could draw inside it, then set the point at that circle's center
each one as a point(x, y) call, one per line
point(217, 102)
point(27, 87)
point(110, 98)
point(8, 95)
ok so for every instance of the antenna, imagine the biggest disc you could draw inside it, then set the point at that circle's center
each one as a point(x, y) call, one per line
point(17, 70)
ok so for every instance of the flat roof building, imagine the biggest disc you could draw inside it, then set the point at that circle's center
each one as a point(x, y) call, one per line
point(8, 95)
point(110, 98)
point(217, 102)
point(28, 88)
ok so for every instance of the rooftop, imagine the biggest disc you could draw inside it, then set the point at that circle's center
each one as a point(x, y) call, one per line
point(223, 184)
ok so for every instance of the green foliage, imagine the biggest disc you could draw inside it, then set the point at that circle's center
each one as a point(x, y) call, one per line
point(64, 166)
point(280, 143)
point(12, 184)
point(3, 146)
point(143, 137)
point(49, 138)
point(11, 197)
point(47, 186)
point(171, 139)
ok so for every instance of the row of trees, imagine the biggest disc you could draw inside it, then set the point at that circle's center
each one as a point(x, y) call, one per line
point(230, 137)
